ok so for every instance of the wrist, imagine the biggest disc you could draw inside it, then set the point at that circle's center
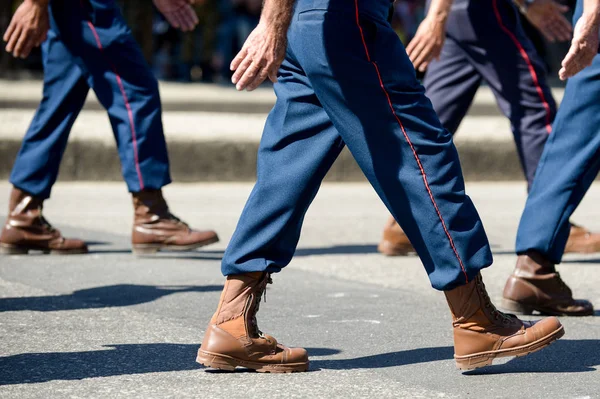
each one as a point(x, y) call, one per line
point(592, 16)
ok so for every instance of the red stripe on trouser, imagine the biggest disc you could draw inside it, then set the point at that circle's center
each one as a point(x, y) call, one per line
point(423, 174)
point(127, 106)
point(532, 72)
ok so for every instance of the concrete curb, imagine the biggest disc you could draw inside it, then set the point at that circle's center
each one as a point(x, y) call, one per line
point(222, 161)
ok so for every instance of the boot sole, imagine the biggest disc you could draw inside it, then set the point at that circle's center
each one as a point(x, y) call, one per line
point(582, 249)
point(9, 249)
point(227, 363)
point(478, 360)
point(152, 249)
point(519, 308)
point(389, 249)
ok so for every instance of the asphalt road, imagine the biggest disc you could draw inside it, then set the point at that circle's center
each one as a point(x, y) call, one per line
point(109, 324)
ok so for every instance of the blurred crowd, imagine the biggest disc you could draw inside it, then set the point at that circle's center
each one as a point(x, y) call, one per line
point(202, 55)
point(205, 53)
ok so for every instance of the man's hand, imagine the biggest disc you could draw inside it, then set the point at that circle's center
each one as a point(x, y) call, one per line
point(264, 50)
point(28, 28)
point(584, 46)
point(178, 13)
point(429, 39)
point(260, 57)
point(547, 16)
point(427, 43)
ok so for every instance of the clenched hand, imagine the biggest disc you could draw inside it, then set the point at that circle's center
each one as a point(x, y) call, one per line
point(28, 28)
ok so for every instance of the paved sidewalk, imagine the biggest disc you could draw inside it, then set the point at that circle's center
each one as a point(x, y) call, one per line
point(213, 134)
point(112, 325)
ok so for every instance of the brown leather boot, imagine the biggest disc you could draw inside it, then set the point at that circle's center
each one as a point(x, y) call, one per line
point(155, 227)
point(26, 229)
point(482, 333)
point(583, 241)
point(233, 339)
point(394, 242)
point(535, 285)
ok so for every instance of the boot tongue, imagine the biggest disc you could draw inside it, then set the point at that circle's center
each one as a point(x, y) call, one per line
point(256, 298)
point(488, 305)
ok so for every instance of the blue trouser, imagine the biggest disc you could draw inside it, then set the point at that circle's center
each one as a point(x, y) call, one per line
point(348, 81)
point(89, 45)
point(569, 165)
point(486, 42)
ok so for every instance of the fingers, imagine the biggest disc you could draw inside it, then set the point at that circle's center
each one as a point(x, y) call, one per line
point(418, 44)
point(423, 59)
point(423, 52)
point(188, 18)
point(240, 70)
point(10, 30)
point(575, 60)
point(562, 28)
point(238, 59)
point(250, 74)
point(262, 74)
point(24, 45)
point(411, 46)
point(173, 20)
point(273, 75)
point(416, 49)
point(12, 40)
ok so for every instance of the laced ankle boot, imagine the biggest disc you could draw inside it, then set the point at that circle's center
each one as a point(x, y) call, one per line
point(394, 241)
point(535, 285)
point(233, 339)
point(26, 229)
point(483, 333)
point(156, 228)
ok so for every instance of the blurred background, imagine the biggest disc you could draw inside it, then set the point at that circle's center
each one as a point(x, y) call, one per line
point(204, 54)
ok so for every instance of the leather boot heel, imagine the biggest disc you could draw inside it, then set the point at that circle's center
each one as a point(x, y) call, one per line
point(215, 362)
point(7, 249)
point(471, 363)
point(516, 307)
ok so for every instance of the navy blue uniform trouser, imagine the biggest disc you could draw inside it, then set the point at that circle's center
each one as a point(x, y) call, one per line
point(89, 45)
point(570, 163)
point(346, 80)
point(486, 42)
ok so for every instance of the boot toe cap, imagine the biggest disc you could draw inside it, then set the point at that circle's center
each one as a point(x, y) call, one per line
point(544, 327)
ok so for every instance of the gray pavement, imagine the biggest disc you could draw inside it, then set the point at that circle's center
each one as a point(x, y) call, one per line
point(109, 324)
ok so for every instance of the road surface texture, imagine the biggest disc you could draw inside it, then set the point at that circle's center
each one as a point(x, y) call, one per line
point(112, 325)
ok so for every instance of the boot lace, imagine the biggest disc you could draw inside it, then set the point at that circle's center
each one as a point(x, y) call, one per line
point(44, 222)
point(562, 285)
point(174, 218)
point(257, 298)
point(498, 315)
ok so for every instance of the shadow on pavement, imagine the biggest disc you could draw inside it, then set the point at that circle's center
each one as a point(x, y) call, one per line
point(333, 250)
point(126, 359)
point(564, 356)
point(391, 359)
point(29, 368)
point(99, 297)
point(592, 260)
